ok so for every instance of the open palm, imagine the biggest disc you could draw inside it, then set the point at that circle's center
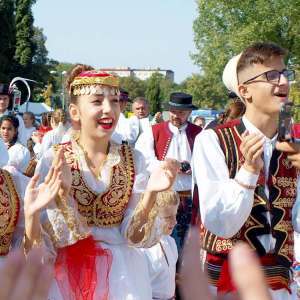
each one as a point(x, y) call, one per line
point(163, 177)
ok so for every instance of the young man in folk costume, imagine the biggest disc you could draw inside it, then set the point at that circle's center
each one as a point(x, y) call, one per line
point(247, 188)
point(174, 139)
point(101, 199)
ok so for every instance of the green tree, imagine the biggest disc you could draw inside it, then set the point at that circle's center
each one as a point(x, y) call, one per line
point(25, 46)
point(7, 38)
point(153, 92)
point(134, 86)
point(224, 28)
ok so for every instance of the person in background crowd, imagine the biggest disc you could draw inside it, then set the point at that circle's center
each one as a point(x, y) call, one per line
point(247, 187)
point(45, 125)
point(234, 110)
point(59, 127)
point(141, 121)
point(6, 103)
point(199, 121)
point(123, 132)
point(174, 139)
point(19, 156)
point(30, 126)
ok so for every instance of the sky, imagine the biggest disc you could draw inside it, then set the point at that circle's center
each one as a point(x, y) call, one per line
point(120, 33)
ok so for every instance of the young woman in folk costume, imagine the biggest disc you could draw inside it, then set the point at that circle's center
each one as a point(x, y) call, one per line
point(12, 189)
point(104, 201)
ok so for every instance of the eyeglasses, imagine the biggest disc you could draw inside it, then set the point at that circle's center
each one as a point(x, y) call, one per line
point(274, 76)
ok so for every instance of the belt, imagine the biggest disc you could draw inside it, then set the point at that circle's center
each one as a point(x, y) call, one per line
point(172, 298)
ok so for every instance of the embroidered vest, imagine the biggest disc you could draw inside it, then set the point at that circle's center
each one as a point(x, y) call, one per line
point(162, 137)
point(106, 209)
point(9, 211)
point(282, 183)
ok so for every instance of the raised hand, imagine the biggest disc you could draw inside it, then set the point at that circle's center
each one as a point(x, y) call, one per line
point(163, 177)
point(37, 198)
point(60, 163)
point(252, 149)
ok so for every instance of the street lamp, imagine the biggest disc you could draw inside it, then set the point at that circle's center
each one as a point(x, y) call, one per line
point(62, 75)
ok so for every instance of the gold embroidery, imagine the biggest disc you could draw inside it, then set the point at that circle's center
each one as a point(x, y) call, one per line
point(106, 209)
point(223, 245)
point(9, 210)
point(286, 182)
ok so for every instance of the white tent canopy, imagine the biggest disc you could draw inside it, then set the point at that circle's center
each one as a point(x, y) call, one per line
point(36, 108)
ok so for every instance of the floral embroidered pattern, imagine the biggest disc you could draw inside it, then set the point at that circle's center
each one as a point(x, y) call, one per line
point(9, 210)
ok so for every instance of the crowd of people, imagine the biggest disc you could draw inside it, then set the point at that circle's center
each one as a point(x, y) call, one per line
point(101, 204)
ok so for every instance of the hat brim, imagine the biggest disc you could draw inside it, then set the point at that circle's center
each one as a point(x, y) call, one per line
point(168, 106)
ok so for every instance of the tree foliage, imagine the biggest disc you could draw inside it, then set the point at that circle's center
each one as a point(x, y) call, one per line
point(24, 36)
point(224, 28)
point(7, 38)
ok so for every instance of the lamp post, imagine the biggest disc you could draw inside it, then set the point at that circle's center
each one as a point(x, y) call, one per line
point(62, 93)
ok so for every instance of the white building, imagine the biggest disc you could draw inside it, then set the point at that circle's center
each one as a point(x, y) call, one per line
point(142, 74)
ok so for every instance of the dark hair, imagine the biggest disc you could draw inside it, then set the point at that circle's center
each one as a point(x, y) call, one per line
point(15, 123)
point(45, 120)
point(71, 76)
point(235, 109)
point(259, 53)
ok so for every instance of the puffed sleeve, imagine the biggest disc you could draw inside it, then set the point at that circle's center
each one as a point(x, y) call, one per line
point(224, 204)
point(153, 227)
point(61, 221)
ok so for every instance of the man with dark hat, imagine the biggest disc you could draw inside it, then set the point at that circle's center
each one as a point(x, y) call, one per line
point(174, 139)
point(6, 105)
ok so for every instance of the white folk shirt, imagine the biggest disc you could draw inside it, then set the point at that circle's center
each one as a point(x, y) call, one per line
point(179, 149)
point(162, 267)
point(19, 157)
point(225, 205)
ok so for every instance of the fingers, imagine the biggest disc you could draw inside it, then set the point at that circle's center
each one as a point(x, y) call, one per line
point(288, 147)
point(49, 175)
point(25, 284)
point(14, 262)
point(247, 274)
point(33, 182)
point(194, 282)
point(43, 283)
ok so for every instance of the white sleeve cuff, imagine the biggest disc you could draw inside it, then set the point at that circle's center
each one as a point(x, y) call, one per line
point(246, 177)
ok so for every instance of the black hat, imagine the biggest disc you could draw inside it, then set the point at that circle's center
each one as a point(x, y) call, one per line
point(124, 95)
point(180, 101)
point(4, 89)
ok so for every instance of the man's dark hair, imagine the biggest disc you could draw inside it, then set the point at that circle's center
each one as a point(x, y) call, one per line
point(259, 53)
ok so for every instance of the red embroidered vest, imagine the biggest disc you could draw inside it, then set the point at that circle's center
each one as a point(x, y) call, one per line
point(162, 137)
point(9, 211)
point(282, 183)
point(106, 209)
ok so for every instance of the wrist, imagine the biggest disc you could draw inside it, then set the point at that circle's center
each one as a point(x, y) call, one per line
point(251, 169)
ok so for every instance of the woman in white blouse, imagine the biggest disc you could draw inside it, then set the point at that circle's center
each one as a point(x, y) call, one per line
point(19, 156)
point(104, 200)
